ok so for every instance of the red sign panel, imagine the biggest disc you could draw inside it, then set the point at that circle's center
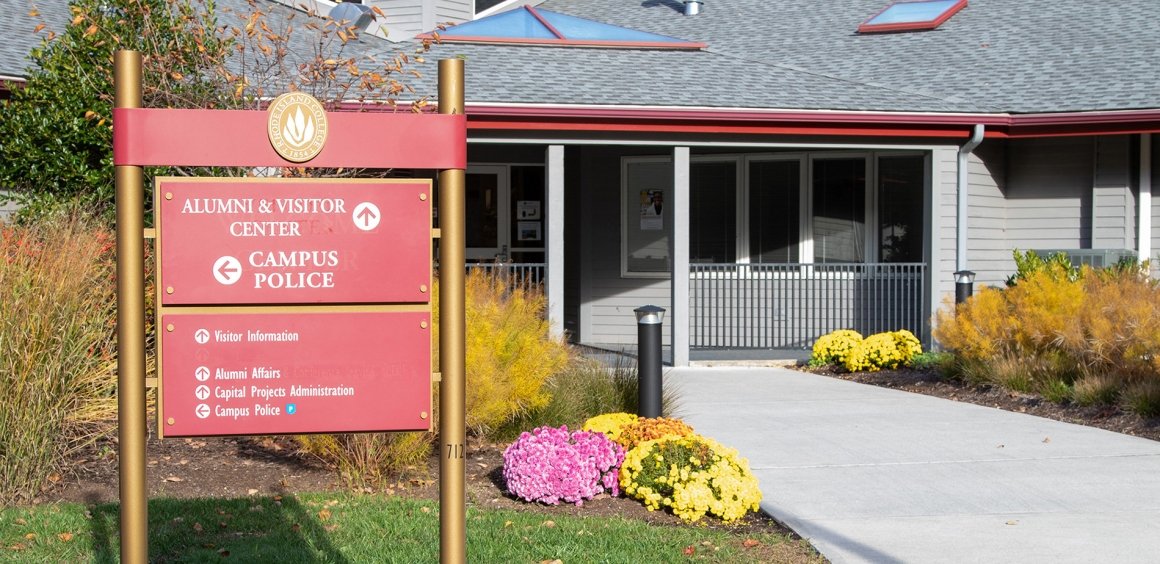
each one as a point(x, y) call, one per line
point(288, 373)
point(277, 241)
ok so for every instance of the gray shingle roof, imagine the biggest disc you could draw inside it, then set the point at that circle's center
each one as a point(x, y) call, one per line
point(17, 30)
point(1004, 55)
point(1016, 56)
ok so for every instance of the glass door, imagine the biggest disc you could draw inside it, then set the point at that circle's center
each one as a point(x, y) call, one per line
point(486, 208)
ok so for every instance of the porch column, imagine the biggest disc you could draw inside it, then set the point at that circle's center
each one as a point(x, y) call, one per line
point(1144, 205)
point(554, 251)
point(679, 317)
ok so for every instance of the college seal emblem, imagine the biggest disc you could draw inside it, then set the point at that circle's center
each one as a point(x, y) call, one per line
point(297, 126)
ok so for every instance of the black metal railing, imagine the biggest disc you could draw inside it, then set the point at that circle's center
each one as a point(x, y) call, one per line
point(773, 306)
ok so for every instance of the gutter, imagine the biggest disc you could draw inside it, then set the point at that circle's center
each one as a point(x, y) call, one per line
point(962, 185)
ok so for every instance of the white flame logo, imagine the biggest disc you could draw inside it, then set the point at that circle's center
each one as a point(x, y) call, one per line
point(299, 129)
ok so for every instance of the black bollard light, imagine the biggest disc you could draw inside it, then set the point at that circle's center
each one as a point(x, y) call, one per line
point(964, 285)
point(648, 348)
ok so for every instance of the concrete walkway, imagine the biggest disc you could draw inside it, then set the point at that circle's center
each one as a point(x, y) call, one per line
point(870, 474)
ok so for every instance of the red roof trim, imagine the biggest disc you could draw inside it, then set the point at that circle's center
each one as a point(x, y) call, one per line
point(544, 22)
point(866, 27)
point(739, 121)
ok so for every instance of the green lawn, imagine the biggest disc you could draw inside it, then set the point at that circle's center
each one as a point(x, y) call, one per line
point(345, 528)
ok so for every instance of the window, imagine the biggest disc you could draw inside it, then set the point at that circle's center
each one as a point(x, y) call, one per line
point(901, 201)
point(912, 16)
point(774, 212)
point(533, 26)
point(778, 208)
point(839, 209)
point(713, 211)
point(647, 216)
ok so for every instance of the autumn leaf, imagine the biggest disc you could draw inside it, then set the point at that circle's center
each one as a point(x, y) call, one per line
point(690, 550)
point(30, 536)
point(197, 527)
point(324, 515)
point(751, 543)
point(92, 30)
point(65, 537)
point(38, 28)
point(549, 524)
point(34, 13)
point(78, 19)
point(176, 75)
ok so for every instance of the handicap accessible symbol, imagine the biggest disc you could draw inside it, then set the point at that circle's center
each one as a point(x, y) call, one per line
point(291, 408)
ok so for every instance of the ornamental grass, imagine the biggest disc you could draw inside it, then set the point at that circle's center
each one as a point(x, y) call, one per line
point(1071, 334)
point(58, 366)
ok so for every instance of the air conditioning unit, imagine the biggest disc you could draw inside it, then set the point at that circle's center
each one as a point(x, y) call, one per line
point(1096, 258)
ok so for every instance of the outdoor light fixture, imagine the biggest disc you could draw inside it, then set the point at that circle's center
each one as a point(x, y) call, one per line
point(964, 285)
point(693, 7)
point(648, 357)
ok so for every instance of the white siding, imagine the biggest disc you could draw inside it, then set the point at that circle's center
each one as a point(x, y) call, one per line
point(454, 10)
point(408, 18)
point(404, 18)
point(1113, 204)
point(988, 250)
point(1049, 192)
point(1155, 204)
point(608, 298)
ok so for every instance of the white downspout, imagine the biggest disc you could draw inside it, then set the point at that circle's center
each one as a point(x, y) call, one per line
point(961, 218)
point(1144, 205)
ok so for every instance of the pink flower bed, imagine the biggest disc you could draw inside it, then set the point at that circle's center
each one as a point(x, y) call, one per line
point(551, 465)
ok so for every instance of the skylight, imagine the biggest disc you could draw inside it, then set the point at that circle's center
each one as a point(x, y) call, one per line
point(912, 16)
point(540, 27)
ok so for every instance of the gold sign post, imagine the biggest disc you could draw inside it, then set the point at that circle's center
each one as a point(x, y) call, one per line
point(452, 337)
point(131, 327)
point(297, 138)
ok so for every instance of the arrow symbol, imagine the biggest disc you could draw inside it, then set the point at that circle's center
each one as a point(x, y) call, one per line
point(201, 336)
point(366, 216)
point(202, 374)
point(202, 392)
point(202, 411)
point(227, 270)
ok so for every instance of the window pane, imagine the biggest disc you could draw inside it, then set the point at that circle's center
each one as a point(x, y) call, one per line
point(839, 210)
point(713, 212)
point(528, 227)
point(900, 205)
point(648, 216)
point(481, 193)
point(774, 225)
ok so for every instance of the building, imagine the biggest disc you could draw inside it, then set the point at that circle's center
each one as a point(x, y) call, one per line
point(771, 170)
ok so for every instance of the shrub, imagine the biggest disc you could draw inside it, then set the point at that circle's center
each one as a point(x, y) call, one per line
point(585, 389)
point(550, 465)
point(58, 370)
point(510, 352)
point(832, 348)
point(651, 429)
point(368, 458)
point(1064, 332)
point(611, 424)
point(691, 475)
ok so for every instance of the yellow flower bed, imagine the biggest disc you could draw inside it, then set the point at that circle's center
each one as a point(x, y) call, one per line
point(832, 348)
point(692, 476)
point(611, 424)
point(849, 350)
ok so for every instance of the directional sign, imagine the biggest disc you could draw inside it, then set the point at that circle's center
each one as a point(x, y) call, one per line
point(300, 241)
point(288, 373)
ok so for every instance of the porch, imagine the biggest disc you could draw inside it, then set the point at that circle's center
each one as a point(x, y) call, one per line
point(780, 306)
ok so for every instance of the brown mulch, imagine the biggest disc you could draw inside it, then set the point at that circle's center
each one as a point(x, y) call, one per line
point(929, 382)
point(229, 467)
